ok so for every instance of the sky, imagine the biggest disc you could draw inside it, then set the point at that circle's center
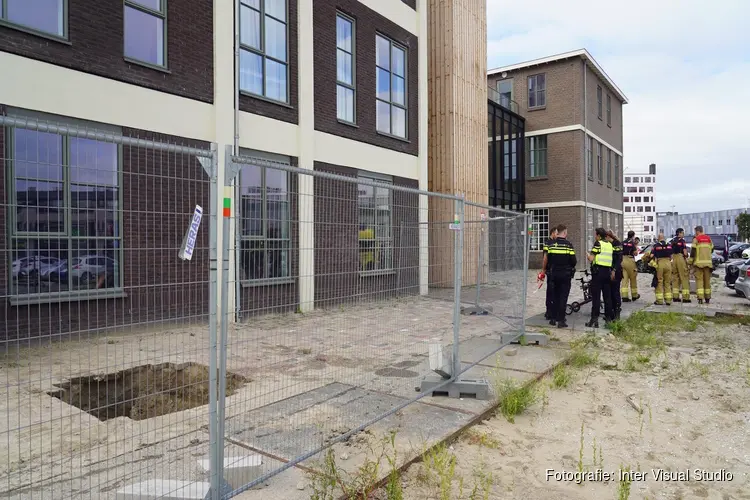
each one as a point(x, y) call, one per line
point(685, 68)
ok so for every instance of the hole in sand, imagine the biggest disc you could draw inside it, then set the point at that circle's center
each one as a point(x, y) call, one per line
point(142, 392)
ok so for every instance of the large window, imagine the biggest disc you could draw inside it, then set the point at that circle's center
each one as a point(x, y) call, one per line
point(609, 167)
point(44, 16)
point(145, 31)
point(391, 105)
point(263, 49)
point(590, 157)
point(539, 228)
point(617, 171)
point(609, 110)
point(345, 69)
point(65, 225)
point(537, 90)
point(510, 160)
point(375, 225)
point(265, 224)
point(505, 90)
point(599, 102)
point(599, 167)
point(537, 148)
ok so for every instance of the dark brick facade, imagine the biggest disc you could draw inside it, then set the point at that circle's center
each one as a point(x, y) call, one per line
point(278, 111)
point(337, 256)
point(283, 297)
point(159, 193)
point(96, 46)
point(367, 24)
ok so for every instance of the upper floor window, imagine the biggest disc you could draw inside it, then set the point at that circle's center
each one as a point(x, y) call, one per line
point(627, 179)
point(599, 167)
point(590, 157)
point(537, 147)
point(650, 189)
point(617, 171)
point(45, 16)
point(505, 90)
point(599, 102)
point(537, 90)
point(641, 189)
point(632, 190)
point(390, 101)
point(609, 167)
point(264, 63)
point(628, 209)
point(145, 31)
point(609, 110)
point(647, 179)
point(345, 89)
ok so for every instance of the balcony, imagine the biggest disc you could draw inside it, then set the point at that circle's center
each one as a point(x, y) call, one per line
point(502, 100)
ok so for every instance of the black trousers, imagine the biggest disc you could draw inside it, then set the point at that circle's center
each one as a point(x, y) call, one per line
point(601, 286)
point(616, 297)
point(550, 300)
point(561, 287)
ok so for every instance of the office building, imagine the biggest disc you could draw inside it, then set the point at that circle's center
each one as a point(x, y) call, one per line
point(716, 222)
point(639, 203)
point(573, 149)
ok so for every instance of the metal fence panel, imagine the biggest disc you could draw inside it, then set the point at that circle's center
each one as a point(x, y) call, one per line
point(104, 299)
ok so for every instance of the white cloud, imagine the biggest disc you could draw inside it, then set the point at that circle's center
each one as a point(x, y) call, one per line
point(685, 67)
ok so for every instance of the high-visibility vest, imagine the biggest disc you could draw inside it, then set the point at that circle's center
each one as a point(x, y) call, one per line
point(604, 257)
point(702, 251)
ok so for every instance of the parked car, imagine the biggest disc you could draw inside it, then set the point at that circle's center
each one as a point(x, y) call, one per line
point(640, 265)
point(732, 271)
point(735, 251)
point(31, 268)
point(742, 285)
point(746, 253)
point(87, 268)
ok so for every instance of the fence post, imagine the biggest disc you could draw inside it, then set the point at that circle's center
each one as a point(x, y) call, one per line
point(480, 265)
point(214, 453)
point(400, 255)
point(457, 284)
point(525, 270)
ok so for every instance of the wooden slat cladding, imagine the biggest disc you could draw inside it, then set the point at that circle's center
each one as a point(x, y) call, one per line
point(457, 75)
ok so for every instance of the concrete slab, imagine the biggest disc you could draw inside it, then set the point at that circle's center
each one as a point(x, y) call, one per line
point(475, 388)
point(238, 470)
point(531, 358)
point(165, 489)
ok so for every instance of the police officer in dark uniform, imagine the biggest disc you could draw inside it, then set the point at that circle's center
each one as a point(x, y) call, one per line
point(550, 311)
point(561, 259)
point(617, 252)
point(601, 257)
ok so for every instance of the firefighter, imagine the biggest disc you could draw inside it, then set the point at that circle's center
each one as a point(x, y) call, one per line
point(629, 271)
point(662, 255)
point(701, 260)
point(366, 248)
point(600, 258)
point(550, 311)
point(561, 260)
point(616, 275)
point(680, 282)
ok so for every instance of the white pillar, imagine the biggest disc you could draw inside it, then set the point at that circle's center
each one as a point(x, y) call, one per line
point(306, 155)
point(424, 253)
point(223, 116)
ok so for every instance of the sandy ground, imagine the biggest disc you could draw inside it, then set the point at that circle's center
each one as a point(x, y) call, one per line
point(691, 441)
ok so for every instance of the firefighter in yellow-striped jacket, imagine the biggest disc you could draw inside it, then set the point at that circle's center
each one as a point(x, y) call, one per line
point(701, 254)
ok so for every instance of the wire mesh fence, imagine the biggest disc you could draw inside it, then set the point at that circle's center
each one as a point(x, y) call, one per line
point(160, 327)
point(103, 353)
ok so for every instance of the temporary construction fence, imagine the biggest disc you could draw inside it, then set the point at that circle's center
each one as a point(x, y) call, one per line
point(164, 332)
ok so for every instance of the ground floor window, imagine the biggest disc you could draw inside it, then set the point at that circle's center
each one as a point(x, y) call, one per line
point(265, 235)
point(65, 218)
point(375, 224)
point(539, 227)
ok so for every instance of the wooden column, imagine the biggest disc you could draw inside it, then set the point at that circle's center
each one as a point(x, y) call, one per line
point(457, 160)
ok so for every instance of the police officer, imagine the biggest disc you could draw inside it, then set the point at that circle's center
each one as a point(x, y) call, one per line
point(629, 270)
point(561, 258)
point(617, 251)
point(601, 271)
point(701, 259)
point(680, 283)
point(550, 311)
point(662, 253)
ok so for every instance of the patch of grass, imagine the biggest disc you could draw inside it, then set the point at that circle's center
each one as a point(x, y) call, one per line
point(588, 340)
point(440, 470)
point(693, 369)
point(623, 488)
point(729, 320)
point(478, 438)
point(545, 331)
point(747, 374)
point(561, 377)
point(580, 357)
point(513, 398)
point(647, 330)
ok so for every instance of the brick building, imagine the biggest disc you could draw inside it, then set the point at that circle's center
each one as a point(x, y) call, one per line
point(331, 85)
point(573, 151)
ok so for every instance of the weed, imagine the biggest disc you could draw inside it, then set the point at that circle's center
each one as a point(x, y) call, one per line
point(393, 488)
point(513, 398)
point(747, 374)
point(580, 357)
point(482, 484)
point(723, 340)
point(522, 340)
point(693, 369)
point(561, 377)
point(554, 339)
point(584, 341)
point(545, 331)
point(623, 489)
point(580, 451)
point(646, 330)
point(477, 438)
point(440, 468)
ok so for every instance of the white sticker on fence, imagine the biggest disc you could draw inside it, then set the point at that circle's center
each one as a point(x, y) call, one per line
point(188, 243)
point(455, 227)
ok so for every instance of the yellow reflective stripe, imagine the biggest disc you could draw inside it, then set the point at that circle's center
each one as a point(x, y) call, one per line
point(560, 251)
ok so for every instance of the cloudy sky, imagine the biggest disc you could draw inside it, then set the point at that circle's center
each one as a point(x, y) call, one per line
point(685, 67)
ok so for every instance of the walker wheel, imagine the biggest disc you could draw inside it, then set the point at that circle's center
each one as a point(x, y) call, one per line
point(576, 306)
point(568, 309)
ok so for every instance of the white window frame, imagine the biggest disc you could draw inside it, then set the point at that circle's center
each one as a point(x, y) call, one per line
point(536, 90)
point(62, 35)
point(159, 14)
point(609, 110)
point(381, 242)
point(538, 157)
point(353, 77)
point(539, 228)
point(391, 45)
point(617, 172)
point(599, 166)
point(261, 51)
